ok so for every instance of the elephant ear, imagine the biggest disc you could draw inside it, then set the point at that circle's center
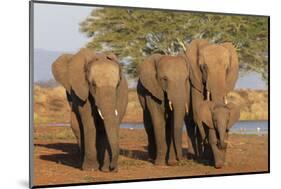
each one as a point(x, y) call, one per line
point(205, 113)
point(185, 58)
point(234, 114)
point(233, 69)
point(148, 76)
point(60, 70)
point(192, 54)
point(122, 89)
point(77, 75)
point(187, 85)
point(112, 57)
point(122, 96)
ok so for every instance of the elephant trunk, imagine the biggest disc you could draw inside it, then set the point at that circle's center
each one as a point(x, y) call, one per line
point(105, 100)
point(178, 114)
point(111, 128)
point(178, 101)
point(216, 87)
point(222, 142)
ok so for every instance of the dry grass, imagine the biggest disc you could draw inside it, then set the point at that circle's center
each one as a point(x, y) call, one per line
point(50, 105)
point(253, 104)
point(54, 133)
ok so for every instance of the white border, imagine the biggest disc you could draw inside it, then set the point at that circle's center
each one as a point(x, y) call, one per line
point(15, 94)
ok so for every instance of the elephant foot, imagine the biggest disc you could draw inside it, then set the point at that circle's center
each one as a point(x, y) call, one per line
point(179, 158)
point(219, 164)
point(191, 151)
point(172, 162)
point(114, 169)
point(89, 165)
point(159, 162)
point(105, 169)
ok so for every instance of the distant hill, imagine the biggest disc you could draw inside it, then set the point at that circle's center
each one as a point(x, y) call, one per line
point(43, 60)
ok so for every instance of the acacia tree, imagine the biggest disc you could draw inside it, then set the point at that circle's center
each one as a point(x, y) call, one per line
point(135, 33)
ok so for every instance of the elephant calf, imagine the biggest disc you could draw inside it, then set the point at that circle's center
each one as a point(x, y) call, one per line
point(217, 119)
point(97, 93)
point(163, 90)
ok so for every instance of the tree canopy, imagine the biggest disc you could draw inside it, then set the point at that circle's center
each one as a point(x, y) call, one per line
point(134, 34)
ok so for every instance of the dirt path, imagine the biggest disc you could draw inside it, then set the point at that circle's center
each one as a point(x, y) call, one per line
point(56, 160)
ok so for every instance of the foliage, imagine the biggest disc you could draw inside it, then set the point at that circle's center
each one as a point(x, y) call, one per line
point(135, 33)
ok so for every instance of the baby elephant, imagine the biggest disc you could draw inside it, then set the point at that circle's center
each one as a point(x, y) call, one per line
point(217, 119)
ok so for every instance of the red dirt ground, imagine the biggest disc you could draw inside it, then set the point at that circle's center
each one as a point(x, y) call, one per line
point(56, 160)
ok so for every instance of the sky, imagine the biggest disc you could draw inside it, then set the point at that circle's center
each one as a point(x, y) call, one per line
point(56, 27)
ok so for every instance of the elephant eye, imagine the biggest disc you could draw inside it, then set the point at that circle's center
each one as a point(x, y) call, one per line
point(93, 83)
point(203, 67)
point(164, 81)
point(165, 78)
point(118, 83)
point(227, 70)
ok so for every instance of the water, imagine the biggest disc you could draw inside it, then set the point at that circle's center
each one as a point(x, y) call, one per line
point(250, 127)
point(241, 127)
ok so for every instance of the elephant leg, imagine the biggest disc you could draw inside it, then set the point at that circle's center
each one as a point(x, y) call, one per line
point(75, 128)
point(158, 120)
point(89, 137)
point(217, 153)
point(171, 159)
point(106, 157)
point(172, 154)
point(102, 147)
point(106, 162)
point(74, 123)
point(161, 147)
point(189, 124)
point(197, 98)
point(190, 146)
point(150, 134)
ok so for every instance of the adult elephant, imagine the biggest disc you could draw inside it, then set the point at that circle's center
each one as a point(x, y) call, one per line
point(218, 118)
point(163, 90)
point(98, 94)
point(214, 72)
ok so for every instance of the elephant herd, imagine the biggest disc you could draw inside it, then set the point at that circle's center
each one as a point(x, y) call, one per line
point(188, 89)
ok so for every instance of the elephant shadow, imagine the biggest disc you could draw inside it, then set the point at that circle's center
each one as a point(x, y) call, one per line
point(206, 159)
point(144, 156)
point(136, 154)
point(70, 157)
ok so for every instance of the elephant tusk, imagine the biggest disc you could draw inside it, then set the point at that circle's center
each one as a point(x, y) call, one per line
point(116, 112)
point(208, 95)
point(186, 108)
point(170, 105)
point(225, 100)
point(100, 113)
